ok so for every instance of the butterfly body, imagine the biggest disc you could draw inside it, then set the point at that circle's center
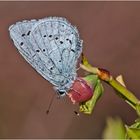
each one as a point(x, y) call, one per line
point(51, 46)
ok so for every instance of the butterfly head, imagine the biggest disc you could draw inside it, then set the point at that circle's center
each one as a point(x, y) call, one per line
point(61, 92)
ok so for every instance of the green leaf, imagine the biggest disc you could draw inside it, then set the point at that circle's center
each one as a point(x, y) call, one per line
point(91, 79)
point(136, 124)
point(114, 129)
point(132, 133)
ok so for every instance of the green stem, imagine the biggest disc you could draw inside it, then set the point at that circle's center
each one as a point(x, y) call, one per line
point(125, 93)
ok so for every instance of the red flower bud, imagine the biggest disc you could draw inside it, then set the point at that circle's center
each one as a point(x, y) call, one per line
point(80, 91)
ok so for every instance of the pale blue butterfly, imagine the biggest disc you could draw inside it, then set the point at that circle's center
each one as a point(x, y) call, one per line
point(52, 46)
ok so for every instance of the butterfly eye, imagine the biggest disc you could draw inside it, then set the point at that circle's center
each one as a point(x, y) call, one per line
point(43, 50)
point(45, 36)
point(61, 92)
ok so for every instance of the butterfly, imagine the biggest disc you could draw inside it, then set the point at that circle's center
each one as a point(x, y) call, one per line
point(52, 47)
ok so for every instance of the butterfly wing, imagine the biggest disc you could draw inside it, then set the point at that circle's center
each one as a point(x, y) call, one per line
point(52, 46)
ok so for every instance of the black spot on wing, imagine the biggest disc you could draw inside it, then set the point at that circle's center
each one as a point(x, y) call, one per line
point(50, 36)
point(21, 43)
point(28, 32)
point(23, 35)
point(70, 42)
point(37, 50)
point(73, 50)
point(61, 42)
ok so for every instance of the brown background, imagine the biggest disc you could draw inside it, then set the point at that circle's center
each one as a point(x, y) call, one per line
point(111, 34)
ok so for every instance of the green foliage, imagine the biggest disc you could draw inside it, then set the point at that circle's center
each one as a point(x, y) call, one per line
point(114, 130)
point(133, 131)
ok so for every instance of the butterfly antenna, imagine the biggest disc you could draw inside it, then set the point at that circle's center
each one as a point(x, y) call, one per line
point(50, 104)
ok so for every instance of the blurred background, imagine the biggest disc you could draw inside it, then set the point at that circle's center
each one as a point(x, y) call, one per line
point(111, 34)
